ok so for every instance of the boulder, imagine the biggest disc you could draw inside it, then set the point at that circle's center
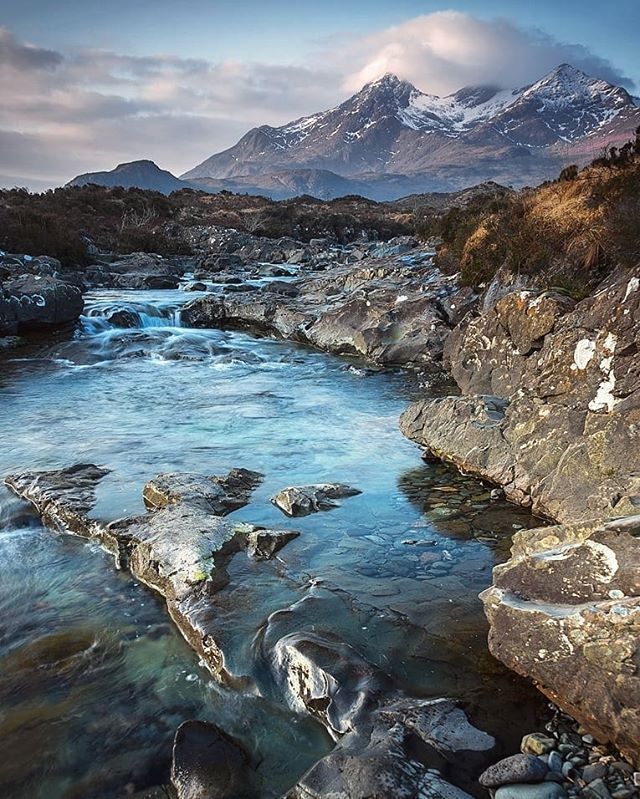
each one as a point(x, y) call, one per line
point(303, 500)
point(409, 748)
point(566, 441)
point(517, 768)
point(33, 301)
point(565, 612)
point(208, 764)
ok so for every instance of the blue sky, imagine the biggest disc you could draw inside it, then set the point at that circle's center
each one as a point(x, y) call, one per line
point(89, 84)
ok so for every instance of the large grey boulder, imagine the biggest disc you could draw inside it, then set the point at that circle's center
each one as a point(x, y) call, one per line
point(566, 441)
point(565, 611)
point(31, 302)
point(409, 748)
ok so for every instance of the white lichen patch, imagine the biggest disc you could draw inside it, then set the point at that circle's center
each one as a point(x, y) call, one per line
point(606, 560)
point(604, 399)
point(583, 353)
point(632, 285)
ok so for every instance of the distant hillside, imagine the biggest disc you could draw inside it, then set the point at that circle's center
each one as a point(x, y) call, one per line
point(135, 174)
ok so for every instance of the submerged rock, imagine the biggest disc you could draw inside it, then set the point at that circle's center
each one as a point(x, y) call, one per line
point(208, 764)
point(565, 611)
point(303, 500)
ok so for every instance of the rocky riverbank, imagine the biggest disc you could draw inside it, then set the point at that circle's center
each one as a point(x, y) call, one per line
point(549, 411)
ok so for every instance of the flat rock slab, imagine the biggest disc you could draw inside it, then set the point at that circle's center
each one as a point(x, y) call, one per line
point(180, 547)
point(303, 500)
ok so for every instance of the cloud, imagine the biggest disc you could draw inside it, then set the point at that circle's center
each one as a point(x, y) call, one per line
point(25, 56)
point(88, 109)
point(444, 51)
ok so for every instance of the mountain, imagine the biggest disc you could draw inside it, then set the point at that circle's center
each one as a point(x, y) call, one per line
point(135, 174)
point(391, 133)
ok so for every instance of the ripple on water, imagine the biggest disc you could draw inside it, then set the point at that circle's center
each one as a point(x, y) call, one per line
point(395, 571)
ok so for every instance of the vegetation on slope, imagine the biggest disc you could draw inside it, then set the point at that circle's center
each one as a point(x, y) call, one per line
point(62, 222)
point(568, 233)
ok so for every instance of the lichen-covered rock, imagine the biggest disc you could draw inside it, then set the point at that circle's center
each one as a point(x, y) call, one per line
point(33, 301)
point(567, 442)
point(565, 611)
point(208, 764)
point(303, 500)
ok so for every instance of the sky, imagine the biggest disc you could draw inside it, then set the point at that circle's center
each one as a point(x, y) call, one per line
point(87, 85)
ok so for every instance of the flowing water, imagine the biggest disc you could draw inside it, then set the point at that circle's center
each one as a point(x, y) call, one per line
point(94, 679)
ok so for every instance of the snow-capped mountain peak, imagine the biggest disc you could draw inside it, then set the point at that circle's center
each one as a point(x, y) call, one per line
point(391, 127)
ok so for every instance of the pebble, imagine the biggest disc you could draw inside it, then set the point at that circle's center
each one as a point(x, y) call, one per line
point(542, 790)
point(594, 771)
point(555, 761)
point(596, 790)
point(517, 768)
point(537, 743)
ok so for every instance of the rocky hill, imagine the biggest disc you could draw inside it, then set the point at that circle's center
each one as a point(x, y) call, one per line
point(391, 134)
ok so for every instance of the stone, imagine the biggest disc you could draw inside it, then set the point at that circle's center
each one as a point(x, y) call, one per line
point(596, 790)
point(63, 497)
point(517, 768)
point(566, 443)
point(552, 619)
point(594, 771)
point(537, 743)
point(180, 547)
point(303, 500)
point(208, 764)
point(31, 302)
point(555, 761)
point(399, 752)
point(541, 790)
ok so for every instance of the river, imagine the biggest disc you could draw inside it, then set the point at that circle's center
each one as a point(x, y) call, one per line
point(94, 678)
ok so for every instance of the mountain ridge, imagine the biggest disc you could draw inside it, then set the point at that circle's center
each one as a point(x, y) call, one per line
point(391, 139)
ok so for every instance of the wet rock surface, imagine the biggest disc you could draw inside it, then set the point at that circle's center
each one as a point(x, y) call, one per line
point(208, 764)
point(406, 749)
point(303, 500)
point(180, 548)
point(31, 302)
point(395, 310)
